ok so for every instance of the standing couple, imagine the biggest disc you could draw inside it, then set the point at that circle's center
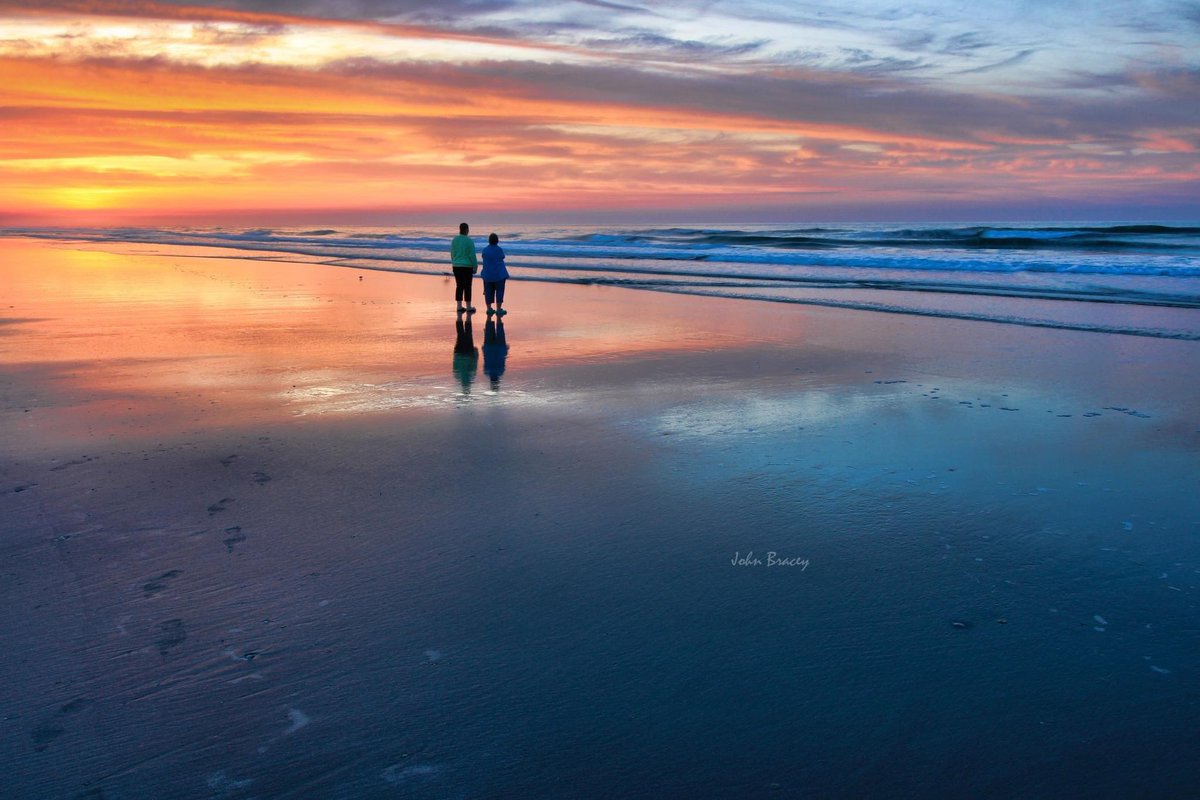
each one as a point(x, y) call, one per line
point(464, 265)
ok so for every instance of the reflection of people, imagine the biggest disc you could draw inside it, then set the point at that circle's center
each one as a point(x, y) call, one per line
point(494, 275)
point(466, 354)
point(495, 351)
point(463, 265)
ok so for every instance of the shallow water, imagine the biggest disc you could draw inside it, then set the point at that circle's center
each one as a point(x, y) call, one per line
point(1122, 278)
point(260, 541)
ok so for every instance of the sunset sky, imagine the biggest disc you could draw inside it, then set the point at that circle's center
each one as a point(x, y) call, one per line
point(379, 111)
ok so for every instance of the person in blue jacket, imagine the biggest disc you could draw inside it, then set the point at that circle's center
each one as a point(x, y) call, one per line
point(494, 274)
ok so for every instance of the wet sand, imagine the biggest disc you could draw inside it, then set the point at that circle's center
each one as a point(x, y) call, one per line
point(273, 530)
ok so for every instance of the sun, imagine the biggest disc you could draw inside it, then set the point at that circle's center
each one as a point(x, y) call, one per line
point(87, 198)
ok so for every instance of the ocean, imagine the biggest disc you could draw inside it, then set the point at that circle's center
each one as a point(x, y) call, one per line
point(1137, 279)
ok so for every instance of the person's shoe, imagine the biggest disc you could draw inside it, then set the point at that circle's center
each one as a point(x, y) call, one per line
point(502, 312)
point(491, 311)
point(460, 309)
point(470, 309)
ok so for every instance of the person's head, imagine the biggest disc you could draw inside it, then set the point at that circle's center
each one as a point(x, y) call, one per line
point(463, 228)
point(493, 239)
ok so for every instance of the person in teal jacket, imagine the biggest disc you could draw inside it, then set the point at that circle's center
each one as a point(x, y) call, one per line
point(463, 265)
point(494, 275)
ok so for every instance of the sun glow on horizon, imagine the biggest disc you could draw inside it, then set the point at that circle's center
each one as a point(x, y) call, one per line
point(94, 198)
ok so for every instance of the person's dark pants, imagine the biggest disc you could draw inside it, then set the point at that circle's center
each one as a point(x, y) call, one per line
point(462, 284)
point(493, 292)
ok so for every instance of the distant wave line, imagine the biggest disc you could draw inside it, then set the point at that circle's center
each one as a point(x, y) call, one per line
point(554, 252)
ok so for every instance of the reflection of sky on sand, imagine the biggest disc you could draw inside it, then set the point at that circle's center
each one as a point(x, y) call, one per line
point(154, 339)
point(753, 412)
point(366, 398)
point(1040, 459)
point(151, 340)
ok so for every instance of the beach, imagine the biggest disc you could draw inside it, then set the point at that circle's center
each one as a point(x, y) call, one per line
point(267, 534)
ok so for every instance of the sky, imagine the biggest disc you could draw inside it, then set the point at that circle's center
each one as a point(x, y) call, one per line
point(393, 111)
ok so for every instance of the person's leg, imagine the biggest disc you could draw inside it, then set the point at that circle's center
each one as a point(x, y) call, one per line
point(489, 295)
point(500, 296)
point(462, 287)
point(459, 285)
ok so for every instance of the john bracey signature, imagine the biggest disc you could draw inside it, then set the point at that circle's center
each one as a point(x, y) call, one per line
point(773, 559)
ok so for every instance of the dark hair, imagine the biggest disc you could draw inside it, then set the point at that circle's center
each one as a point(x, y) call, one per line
point(463, 227)
point(493, 238)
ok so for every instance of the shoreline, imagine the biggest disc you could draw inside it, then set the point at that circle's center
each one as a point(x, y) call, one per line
point(1151, 305)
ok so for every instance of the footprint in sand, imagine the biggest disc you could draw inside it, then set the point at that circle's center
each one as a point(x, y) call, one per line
point(227, 460)
point(76, 705)
point(43, 735)
point(170, 634)
point(158, 584)
point(75, 463)
point(219, 506)
point(261, 477)
point(47, 732)
point(235, 537)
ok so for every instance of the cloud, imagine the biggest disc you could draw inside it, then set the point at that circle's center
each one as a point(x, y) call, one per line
point(967, 43)
point(249, 9)
point(798, 101)
point(350, 9)
point(1177, 83)
point(808, 97)
point(242, 36)
point(1190, 12)
point(658, 46)
point(447, 23)
point(1007, 62)
point(598, 102)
